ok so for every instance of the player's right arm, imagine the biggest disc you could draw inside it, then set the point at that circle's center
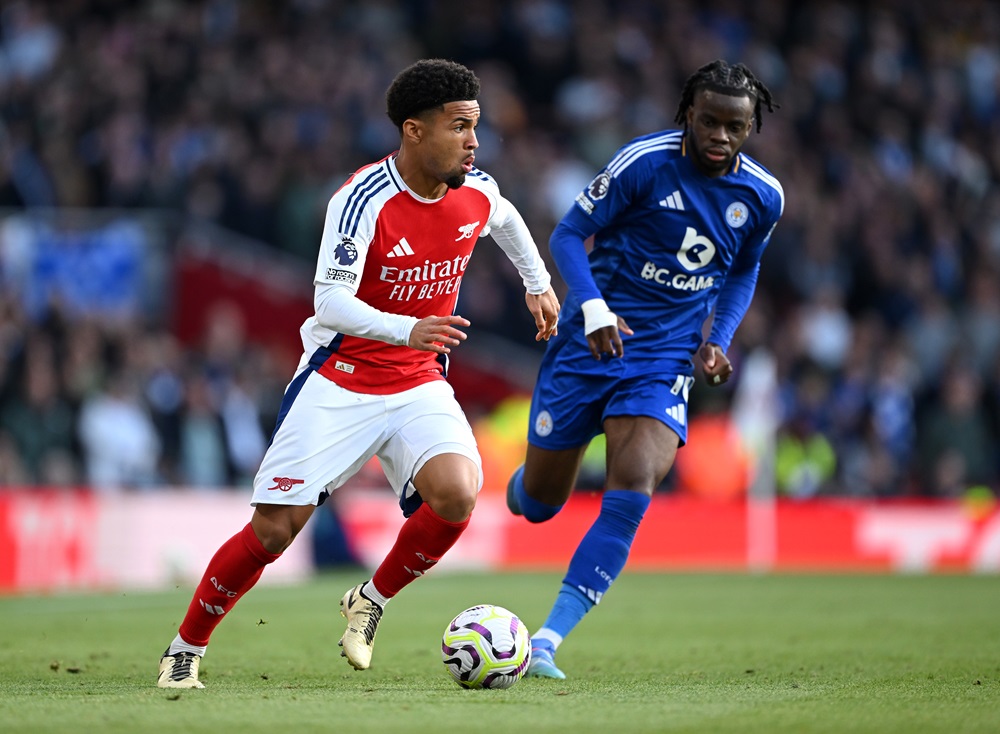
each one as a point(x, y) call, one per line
point(339, 268)
point(594, 208)
point(338, 309)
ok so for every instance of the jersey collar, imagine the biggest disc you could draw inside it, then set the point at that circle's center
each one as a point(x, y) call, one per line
point(394, 172)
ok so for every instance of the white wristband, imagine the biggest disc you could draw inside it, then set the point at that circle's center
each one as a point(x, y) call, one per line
point(597, 315)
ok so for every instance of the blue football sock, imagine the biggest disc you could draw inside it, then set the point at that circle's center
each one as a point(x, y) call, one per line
point(570, 607)
point(532, 509)
point(598, 560)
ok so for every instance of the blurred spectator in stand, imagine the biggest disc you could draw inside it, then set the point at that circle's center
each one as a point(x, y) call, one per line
point(805, 463)
point(243, 427)
point(120, 444)
point(230, 367)
point(13, 473)
point(39, 420)
point(893, 405)
point(825, 327)
point(163, 392)
point(931, 334)
point(991, 407)
point(957, 446)
point(980, 318)
point(202, 460)
point(867, 469)
point(83, 360)
point(223, 346)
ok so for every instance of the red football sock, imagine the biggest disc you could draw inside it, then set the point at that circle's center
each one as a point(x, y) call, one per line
point(233, 571)
point(424, 538)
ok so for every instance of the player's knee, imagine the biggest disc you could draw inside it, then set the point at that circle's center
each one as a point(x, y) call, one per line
point(643, 478)
point(552, 492)
point(449, 485)
point(275, 538)
point(275, 527)
point(455, 501)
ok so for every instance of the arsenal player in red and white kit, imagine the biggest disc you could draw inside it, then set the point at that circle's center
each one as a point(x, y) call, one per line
point(403, 256)
point(397, 241)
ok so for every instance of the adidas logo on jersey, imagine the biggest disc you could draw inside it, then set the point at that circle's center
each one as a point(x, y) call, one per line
point(402, 249)
point(674, 201)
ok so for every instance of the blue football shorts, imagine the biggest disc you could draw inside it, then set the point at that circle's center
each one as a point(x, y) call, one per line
point(573, 397)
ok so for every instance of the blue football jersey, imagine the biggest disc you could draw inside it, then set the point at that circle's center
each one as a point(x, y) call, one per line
point(665, 238)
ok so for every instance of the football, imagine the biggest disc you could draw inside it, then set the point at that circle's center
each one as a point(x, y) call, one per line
point(486, 646)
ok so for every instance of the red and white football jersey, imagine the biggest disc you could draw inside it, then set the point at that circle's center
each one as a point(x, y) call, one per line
point(400, 254)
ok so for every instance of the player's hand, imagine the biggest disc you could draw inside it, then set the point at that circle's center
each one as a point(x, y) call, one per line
point(608, 340)
point(715, 365)
point(545, 308)
point(437, 334)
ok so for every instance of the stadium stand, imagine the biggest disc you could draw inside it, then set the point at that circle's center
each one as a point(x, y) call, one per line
point(152, 153)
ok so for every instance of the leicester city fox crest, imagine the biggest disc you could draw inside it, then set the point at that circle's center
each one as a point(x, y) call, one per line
point(544, 423)
point(736, 214)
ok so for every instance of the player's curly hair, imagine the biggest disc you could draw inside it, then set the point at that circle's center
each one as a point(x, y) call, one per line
point(428, 84)
point(735, 79)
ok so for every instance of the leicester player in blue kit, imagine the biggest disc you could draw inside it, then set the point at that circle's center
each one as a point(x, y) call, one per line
point(680, 219)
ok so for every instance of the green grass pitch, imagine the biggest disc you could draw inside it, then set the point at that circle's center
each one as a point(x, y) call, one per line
point(664, 653)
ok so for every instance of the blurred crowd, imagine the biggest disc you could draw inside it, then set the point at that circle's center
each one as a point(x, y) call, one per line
point(879, 298)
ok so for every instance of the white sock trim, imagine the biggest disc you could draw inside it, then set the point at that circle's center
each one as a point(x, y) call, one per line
point(178, 645)
point(548, 635)
point(369, 590)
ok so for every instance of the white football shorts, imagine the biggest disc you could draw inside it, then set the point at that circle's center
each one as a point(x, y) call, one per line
point(328, 433)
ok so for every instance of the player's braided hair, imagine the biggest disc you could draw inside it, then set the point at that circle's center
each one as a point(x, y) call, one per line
point(426, 85)
point(733, 79)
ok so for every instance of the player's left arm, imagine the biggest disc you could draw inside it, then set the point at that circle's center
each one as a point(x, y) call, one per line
point(512, 235)
point(734, 300)
point(732, 304)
